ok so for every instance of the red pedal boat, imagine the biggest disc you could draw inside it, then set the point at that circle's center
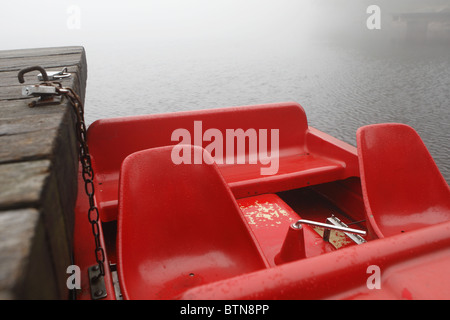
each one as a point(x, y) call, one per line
point(252, 203)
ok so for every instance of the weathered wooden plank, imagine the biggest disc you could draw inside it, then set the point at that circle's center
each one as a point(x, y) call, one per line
point(34, 184)
point(11, 93)
point(10, 64)
point(22, 183)
point(29, 123)
point(60, 241)
point(27, 146)
point(65, 164)
point(36, 52)
point(26, 270)
point(20, 108)
point(38, 165)
point(54, 193)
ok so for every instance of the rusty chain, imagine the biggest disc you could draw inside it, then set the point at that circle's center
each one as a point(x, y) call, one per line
point(87, 173)
point(51, 92)
point(85, 158)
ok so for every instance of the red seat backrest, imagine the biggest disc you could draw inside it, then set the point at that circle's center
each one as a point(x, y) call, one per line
point(403, 188)
point(112, 140)
point(179, 226)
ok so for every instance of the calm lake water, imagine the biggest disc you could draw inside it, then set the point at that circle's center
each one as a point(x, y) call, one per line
point(340, 88)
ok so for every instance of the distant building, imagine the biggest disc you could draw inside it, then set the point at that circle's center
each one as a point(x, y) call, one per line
point(421, 26)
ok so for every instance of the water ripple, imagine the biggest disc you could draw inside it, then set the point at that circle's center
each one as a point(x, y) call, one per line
point(340, 89)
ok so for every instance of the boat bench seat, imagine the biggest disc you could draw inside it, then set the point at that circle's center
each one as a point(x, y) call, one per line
point(307, 156)
point(294, 171)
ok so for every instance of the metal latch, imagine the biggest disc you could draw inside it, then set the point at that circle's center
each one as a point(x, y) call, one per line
point(38, 90)
point(47, 92)
point(55, 75)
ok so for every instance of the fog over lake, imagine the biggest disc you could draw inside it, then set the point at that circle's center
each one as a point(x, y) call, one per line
point(173, 55)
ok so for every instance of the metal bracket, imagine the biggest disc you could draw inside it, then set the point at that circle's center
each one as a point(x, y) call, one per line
point(353, 236)
point(115, 279)
point(55, 75)
point(334, 224)
point(96, 283)
point(47, 95)
point(38, 90)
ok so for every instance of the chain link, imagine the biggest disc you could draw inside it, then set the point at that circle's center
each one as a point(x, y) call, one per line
point(87, 171)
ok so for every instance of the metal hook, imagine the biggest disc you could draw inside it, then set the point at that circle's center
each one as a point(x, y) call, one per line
point(29, 69)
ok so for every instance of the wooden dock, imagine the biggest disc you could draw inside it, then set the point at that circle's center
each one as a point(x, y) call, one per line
point(38, 169)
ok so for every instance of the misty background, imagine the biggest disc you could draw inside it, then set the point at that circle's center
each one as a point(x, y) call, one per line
point(171, 55)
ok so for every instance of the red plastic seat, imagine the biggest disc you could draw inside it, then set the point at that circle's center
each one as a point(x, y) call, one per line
point(403, 188)
point(179, 227)
point(307, 156)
